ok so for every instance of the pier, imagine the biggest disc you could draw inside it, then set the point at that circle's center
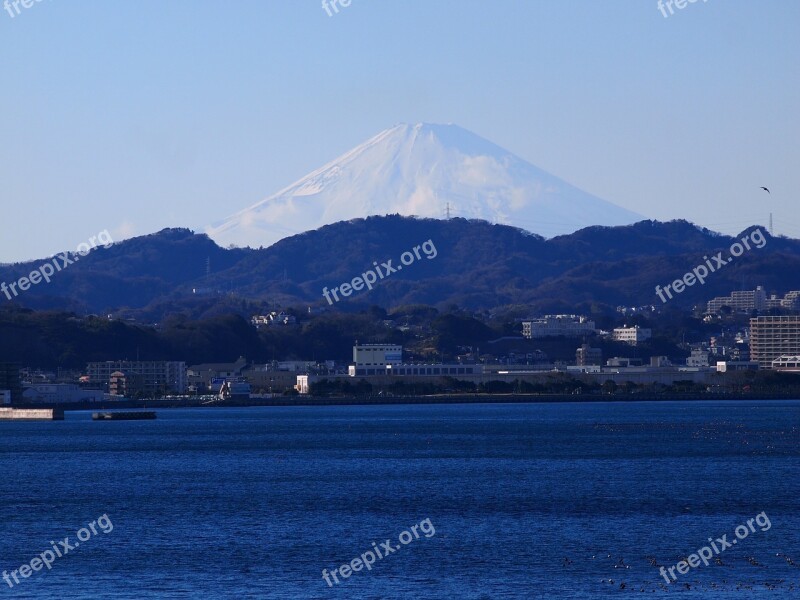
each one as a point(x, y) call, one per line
point(31, 414)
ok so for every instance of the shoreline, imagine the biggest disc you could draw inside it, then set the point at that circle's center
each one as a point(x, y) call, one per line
point(286, 401)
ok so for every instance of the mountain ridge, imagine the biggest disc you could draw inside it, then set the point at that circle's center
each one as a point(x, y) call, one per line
point(422, 170)
point(478, 265)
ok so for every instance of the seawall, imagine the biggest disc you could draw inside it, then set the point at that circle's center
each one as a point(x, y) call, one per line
point(31, 414)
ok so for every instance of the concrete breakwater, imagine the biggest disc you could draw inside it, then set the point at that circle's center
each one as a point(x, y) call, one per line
point(31, 414)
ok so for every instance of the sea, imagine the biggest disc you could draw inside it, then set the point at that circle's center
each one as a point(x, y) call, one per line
point(551, 500)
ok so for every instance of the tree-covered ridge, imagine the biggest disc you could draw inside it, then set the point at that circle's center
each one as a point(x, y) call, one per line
point(478, 265)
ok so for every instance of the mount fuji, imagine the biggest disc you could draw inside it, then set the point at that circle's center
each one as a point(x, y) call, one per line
point(424, 170)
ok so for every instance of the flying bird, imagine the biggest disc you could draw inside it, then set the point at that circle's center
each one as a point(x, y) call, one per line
point(766, 190)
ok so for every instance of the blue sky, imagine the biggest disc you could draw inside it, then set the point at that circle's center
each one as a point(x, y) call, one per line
point(135, 116)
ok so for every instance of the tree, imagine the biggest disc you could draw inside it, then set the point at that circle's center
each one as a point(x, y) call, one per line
point(609, 387)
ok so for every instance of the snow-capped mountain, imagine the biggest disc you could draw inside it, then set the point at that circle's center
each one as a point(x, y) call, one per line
point(420, 170)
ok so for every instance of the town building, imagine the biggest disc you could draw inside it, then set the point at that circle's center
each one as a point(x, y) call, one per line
point(272, 319)
point(745, 301)
point(303, 384)
point(631, 335)
point(270, 381)
point(432, 370)
point(386, 360)
point(59, 393)
point(293, 365)
point(772, 337)
point(647, 375)
point(128, 385)
point(623, 362)
point(787, 363)
point(10, 381)
point(208, 376)
point(377, 355)
point(727, 366)
point(402, 370)
point(235, 390)
point(620, 371)
point(740, 352)
point(557, 325)
point(791, 301)
point(586, 356)
point(698, 358)
point(159, 377)
point(774, 301)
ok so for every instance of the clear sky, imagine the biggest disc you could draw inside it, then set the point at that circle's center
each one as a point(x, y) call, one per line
point(139, 115)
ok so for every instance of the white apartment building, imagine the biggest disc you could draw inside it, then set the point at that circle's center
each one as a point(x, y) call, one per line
point(631, 335)
point(746, 301)
point(791, 300)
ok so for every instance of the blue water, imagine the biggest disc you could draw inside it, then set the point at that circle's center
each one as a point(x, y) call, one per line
point(527, 501)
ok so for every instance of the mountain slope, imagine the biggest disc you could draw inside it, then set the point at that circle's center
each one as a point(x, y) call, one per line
point(477, 265)
point(419, 170)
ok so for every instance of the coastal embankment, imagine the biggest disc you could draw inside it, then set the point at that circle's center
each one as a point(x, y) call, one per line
point(306, 400)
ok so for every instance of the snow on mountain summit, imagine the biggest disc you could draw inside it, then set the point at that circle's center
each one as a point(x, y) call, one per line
point(418, 170)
